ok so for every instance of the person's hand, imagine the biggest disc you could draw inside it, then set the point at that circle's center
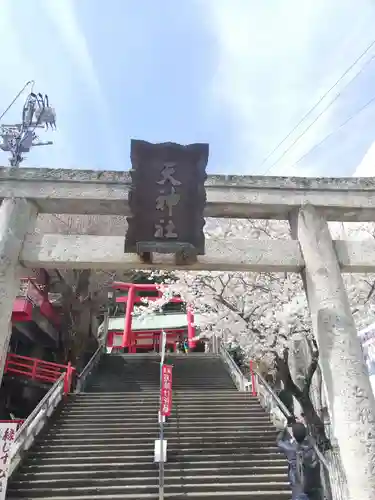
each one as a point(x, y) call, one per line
point(291, 420)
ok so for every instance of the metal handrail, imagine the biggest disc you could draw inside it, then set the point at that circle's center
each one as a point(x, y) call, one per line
point(285, 410)
point(238, 377)
point(90, 366)
point(35, 422)
point(331, 491)
point(41, 404)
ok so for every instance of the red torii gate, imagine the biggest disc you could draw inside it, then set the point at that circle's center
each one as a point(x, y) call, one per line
point(128, 339)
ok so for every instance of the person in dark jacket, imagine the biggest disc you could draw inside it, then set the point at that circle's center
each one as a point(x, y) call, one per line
point(304, 467)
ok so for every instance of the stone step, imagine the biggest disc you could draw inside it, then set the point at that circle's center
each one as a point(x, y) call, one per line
point(175, 447)
point(114, 421)
point(128, 396)
point(170, 470)
point(194, 419)
point(226, 495)
point(150, 426)
point(136, 385)
point(154, 398)
point(140, 409)
point(139, 386)
point(82, 416)
point(226, 392)
point(190, 455)
point(171, 429)
point(184, 374)
point(108, 465)
point(143, 405)
point(150, 478)
point(180, 378)
point(142, 387)
point(245, 485)
point(193, 436)
point(145, 356)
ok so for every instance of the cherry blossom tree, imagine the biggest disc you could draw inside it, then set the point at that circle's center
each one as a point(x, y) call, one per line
point(268, 316)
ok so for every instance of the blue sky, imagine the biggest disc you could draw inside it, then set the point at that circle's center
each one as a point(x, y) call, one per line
point(238, 74)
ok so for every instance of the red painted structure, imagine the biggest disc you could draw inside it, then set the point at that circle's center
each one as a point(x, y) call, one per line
point(39, 370)
point(129, 338)
point(34, 295)
point(253, 381)
point(166, 391)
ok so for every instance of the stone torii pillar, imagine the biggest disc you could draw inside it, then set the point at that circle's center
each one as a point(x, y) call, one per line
point(17, 217)
point(350, 397)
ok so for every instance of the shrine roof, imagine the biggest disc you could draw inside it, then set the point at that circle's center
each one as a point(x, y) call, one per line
point(153, 322)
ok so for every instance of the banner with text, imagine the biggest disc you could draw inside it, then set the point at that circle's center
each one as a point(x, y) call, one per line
point(166, 391)
point(7, 436)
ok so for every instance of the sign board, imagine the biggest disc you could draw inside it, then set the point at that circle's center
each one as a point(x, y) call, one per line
point(166, 391)
point(7, 437)
point(167, 198)
point(367, 337)
point(160, 450)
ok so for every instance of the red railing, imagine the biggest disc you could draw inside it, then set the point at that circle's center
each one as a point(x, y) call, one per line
point(39, 370)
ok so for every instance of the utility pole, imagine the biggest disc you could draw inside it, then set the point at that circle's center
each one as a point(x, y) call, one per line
point(18, 138)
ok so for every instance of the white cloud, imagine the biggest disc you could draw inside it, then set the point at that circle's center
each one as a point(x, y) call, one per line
point(63, 15)
point(26, 57)
point(366, 168)
point(44, 42)
point(274, 61)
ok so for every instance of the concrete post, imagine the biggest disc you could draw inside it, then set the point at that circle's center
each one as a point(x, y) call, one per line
point(350, 398)
point(17, 216)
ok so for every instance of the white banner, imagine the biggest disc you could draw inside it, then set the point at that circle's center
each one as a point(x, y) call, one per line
point(163, 344)
point(367, 336)
point(7, 436)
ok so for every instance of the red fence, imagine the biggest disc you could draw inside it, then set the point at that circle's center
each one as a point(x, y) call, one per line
point(39, 370)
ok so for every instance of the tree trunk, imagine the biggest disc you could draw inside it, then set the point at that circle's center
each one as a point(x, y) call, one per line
point(312, 419)
point(77, 318)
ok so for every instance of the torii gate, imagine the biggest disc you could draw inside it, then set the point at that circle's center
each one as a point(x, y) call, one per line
point(306, 203)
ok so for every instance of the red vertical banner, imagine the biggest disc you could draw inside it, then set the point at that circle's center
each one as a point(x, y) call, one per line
point(253, 383)
point(166, 391)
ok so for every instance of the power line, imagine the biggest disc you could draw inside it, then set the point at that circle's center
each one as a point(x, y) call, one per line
point(31, 82)
point(317, 103)
point(319, 115)
point(316, 146)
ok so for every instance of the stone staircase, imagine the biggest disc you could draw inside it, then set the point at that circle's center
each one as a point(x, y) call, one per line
point(221, 444)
